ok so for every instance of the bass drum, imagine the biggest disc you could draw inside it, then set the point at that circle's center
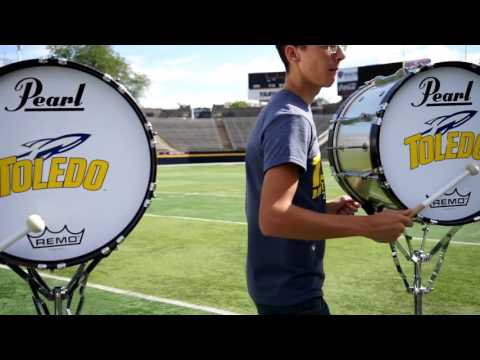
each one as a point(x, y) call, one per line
point(76, 150)
point(399, 139)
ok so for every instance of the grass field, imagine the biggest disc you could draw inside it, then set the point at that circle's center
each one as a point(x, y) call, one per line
point(191, 247)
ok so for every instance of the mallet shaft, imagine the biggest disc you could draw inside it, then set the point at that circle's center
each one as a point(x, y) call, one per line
point(471, 170)
point(35, 224)
point(12, 239)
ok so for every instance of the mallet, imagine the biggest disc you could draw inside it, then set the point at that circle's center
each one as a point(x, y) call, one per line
point(34, 224)
point(470, 170)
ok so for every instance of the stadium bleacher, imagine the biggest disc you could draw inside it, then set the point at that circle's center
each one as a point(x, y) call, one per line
point(238, 130)
point(188, 135)
point(211, 134)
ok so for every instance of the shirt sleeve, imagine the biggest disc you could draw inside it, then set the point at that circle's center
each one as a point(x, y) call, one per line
point(286, 140)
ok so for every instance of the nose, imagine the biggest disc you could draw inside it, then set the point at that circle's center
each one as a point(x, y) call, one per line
point(340, 55)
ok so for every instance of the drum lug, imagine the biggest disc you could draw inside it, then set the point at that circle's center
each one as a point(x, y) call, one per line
point(62, 61)
point(476, 219)
point(362, 118)
point(120, 239)
point(380, 113)
point(386, 185)
point(147, 202)
point(61, 266)
point(105, 251)
point(121, 89)
point(153, 186)
point(368, 175)
point(107, 78)
point(364, 147)
point(425, 220)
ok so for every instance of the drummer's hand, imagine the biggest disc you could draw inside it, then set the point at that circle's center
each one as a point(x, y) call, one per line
point(343, 205)
point(388, 225)
point(409, 213)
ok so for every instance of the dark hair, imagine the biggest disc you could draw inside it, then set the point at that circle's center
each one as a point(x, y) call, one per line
point(281, 52)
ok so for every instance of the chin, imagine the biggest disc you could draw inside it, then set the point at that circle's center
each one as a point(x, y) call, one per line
point(325, 81)
point(328, 83)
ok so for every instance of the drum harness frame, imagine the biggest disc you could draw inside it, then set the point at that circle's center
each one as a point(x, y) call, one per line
point(57, 294)
point(418, 257)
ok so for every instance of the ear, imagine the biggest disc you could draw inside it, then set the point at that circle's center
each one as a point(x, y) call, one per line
point(292, 54)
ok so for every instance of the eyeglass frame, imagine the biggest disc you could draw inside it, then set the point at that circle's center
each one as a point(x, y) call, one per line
point(333, 49)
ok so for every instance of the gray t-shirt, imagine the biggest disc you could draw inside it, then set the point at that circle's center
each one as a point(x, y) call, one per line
point(282, 272)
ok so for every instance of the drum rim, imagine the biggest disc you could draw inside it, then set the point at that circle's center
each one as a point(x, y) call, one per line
point(375, 138)
point(111, 245)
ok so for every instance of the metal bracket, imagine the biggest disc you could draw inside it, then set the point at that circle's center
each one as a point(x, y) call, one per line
point(418, 257)
point(57, 294)
point(383, 80)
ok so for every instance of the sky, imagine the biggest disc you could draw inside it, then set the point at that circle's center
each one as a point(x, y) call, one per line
point(203, 75)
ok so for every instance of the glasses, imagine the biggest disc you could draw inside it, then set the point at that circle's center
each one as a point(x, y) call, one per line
point(333, 49)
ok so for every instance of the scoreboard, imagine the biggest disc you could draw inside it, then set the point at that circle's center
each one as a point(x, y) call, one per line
point(262, 86)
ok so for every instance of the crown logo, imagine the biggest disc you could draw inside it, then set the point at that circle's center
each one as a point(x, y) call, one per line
point(49, 238)
point(453, 199)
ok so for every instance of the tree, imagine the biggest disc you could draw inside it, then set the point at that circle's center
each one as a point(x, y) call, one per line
point(106, 60)
point(238, 105)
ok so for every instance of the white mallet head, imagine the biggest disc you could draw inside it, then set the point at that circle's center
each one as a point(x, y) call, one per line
point(35, 224)
point(473, 169)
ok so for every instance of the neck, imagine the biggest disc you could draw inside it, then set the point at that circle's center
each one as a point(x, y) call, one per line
point(306, 90)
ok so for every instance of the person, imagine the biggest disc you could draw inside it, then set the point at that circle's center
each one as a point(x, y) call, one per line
point(287, 213)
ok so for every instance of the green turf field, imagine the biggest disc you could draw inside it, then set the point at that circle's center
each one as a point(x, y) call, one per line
point(191, 247)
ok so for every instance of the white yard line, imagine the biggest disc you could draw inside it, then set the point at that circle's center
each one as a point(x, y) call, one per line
point(137, 295)
point(197, 194)
point(451, 242)
point(203, 164)
point(197, 219)
point(244, 223)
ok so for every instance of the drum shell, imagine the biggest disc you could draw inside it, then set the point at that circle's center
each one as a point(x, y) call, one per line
point(347, 132)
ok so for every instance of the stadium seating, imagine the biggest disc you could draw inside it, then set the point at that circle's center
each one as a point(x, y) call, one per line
point(188, 135)
point(220, 134)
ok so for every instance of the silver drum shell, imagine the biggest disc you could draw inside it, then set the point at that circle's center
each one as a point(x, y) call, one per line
point(350, 146)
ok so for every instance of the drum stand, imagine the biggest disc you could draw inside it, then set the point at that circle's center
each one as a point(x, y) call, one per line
point(57, 294)
point(418, 257)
